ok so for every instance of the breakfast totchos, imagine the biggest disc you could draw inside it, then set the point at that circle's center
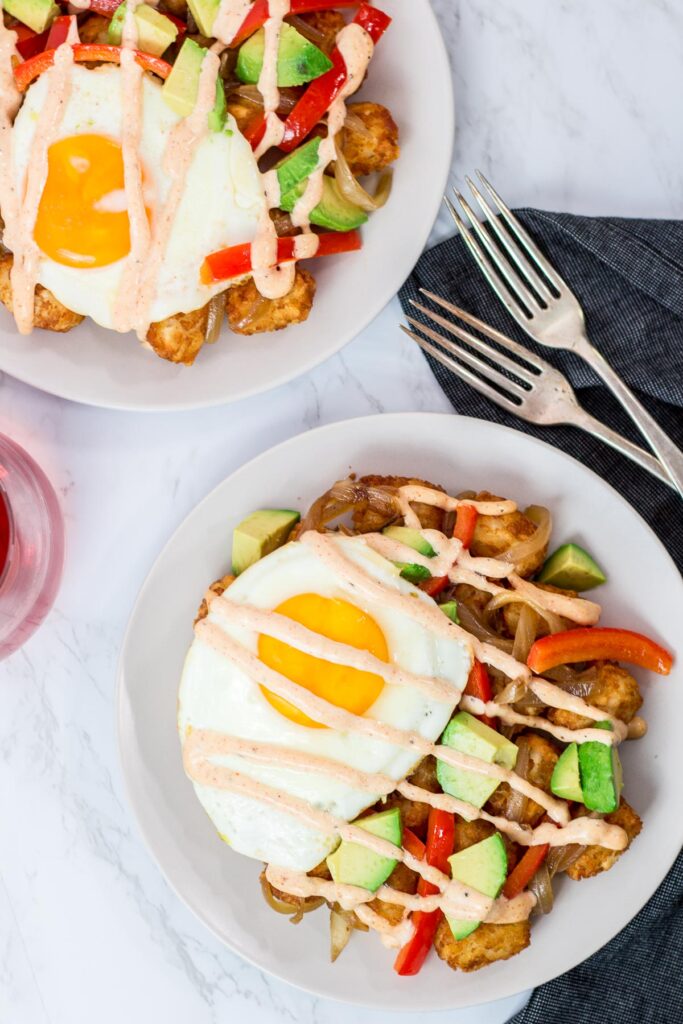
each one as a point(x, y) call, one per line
point(402, 706)
point(163, 165)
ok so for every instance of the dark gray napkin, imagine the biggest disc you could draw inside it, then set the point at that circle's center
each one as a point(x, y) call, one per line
point(628, 276)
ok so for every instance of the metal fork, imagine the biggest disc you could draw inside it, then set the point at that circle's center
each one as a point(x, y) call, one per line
point(543, 304)
point(545, 396)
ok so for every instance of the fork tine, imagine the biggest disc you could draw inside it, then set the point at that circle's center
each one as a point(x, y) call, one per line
point(524, 266)
point(502, 339)
point(522, 236)
point(503, 267)
point(480, 346)
point(498, 286)
point(464, 374)
point(486, 371)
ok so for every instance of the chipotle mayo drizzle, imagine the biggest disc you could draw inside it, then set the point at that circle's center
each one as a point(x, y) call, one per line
point(10, 100)
point(201, 745)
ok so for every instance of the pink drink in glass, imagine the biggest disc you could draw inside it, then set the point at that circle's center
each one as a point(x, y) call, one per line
point(31, 546)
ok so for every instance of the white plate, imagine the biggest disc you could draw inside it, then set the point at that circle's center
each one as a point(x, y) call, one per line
point(410, 74)
point(644, 592)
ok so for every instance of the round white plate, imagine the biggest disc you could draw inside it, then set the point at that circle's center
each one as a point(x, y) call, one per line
point(409, 74)
point(644, 592)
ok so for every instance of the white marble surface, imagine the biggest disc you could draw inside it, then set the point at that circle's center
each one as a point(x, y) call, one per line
point(570, 105)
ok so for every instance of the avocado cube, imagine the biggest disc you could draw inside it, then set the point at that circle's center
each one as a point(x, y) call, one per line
point(413, 572)
point(565, 781)
point(259, 534)
point(482, 866)
point(467, 734)
point(37, 14)
point(450, 608)
point(601, 774)
point(411, 538)
point(333, 211)
point(204, 13)
point(298, 166)
point(353, 864)
point(572, 568)
point(155, 32)
point(182, 85)
point(298, 60)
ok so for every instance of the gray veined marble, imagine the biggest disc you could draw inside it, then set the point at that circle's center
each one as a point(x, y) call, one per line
point(571, 105)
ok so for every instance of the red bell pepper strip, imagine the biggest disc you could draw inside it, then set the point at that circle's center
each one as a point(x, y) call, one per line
point(322, 91)
point(435, 585)
point(29, 43)
point(479, 685)
point(59, 31)
point(465, 522)
point(413, 844)
point(440, 842)
point(258, 14)
point(236, 260)
point(521, 875)
point(596, 644)
point(27, 72)
point(107, 8)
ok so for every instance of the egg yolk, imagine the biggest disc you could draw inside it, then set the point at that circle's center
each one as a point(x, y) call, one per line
point(82, 218)
point(342, 686)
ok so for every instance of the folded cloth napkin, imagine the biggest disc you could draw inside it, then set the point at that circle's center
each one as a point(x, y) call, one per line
point(628, 276)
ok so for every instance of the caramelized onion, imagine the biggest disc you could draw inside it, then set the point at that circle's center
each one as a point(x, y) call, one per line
point(518, 693)
point(562, 857)
point(525, 549)
point(470, 621)
point(525, 634)
point(351, 189)
point(554, 621)
point(541, 886)
point(517, 802)
point(580, 684)
point(294, 911)
point(250, 94)
point(214, 319)
point(357, 125)
point(310, 32)
point(346, 495)
point(340, 932)
point(255, 311)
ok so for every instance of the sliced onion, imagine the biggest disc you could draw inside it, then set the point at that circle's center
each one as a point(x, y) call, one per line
point(255, 311)
point(309, 903)
point(351, 188)
point(525, 549)
point(518, 802)
point(541, 886)
point(525, 634)
point(356, 124)
point(554, 621)
point(251, 94)
point(580, 684)
point(519, 694)
point(346, 495)
point(340, 933)
point(214, 319)
point(310, 32)
point(562, 857)
point(470, 621)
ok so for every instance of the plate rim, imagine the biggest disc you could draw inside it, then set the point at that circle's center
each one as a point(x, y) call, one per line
point(235, 947)
point(382, 299)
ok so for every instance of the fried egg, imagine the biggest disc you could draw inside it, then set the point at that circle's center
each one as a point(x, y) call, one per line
point(216, 694)
point(82, 227)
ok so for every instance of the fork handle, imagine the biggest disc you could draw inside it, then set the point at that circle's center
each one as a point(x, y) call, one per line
point(597, 428)
point(669, 455)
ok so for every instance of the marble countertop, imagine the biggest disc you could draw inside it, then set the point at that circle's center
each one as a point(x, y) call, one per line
point(567, 105)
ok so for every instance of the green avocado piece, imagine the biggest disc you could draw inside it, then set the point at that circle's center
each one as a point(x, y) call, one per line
point(413, 573)
point(37, 14)
point(333, 211)
point(450, 608)
point(484, 867)
point(259, 534)
point(298, 60)
point(411, 538)
point(353, 864)
point(296, 168)
point(155, 32)
point(571, 568)
point(204, 13)
point(467, 734)
point(565, 781)
point(181, 87)
point(601, 774)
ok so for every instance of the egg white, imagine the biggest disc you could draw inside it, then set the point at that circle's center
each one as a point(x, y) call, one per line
point(222, 201)
point(215, 694)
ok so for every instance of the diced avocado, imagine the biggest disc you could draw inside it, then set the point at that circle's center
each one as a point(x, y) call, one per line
point(181, 87)
point(298, 60)
point(482, 866)
point(413, 573)
point(297, 167)
point(333, 211)
point(467, 734)
point(601, 774)
point(571, 568)
point(450, 608)
point(37, 14)
point(204, 13)
point(155, 32)
point(412, 538)
point(259, 534)
point(353, 864)
point(565, 781)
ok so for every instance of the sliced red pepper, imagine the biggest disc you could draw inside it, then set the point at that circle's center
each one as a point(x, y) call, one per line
point(413, 844)
point(258, 14)
point(59, 31)
point(521, 875)
point(29, 43)
point(435, 585)
point(465, 522)
point(479, 685)
point(27, 72)
point(597, 644)
point(107, 8)
point(236, 260)
point(440, 843)
point(322, 91)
